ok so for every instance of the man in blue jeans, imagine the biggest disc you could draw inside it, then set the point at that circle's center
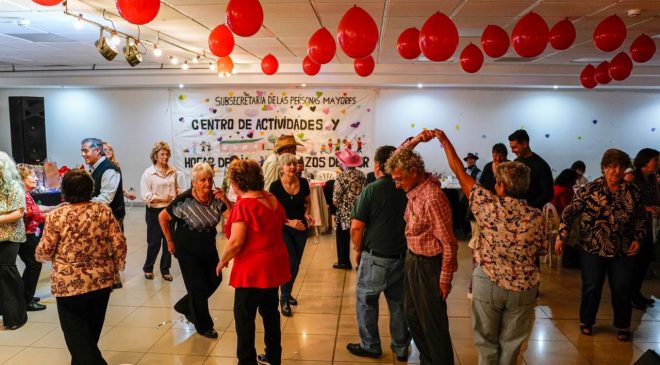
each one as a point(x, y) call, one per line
point(378, 236)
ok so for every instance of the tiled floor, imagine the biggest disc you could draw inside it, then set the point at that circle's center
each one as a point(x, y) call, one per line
point(141, 327)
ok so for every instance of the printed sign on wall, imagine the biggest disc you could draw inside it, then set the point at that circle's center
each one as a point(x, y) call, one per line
point(213, 125)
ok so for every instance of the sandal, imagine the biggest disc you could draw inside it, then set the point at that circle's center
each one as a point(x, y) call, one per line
point(623, 335)
point(167, 277)
point(586, 330)
point(149, 275)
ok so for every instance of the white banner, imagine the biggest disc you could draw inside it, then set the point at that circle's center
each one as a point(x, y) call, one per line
point(213, 125)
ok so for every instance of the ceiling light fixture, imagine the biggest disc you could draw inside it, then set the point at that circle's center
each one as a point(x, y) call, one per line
point(131, 52)
point(114, 38)
point(184, 66)
point(419, 86)
point(180, 86)
point(213, 67)
point(555, 87)
point(157, 52)
point(104, 47)
point(174, 60)
point(196, 59)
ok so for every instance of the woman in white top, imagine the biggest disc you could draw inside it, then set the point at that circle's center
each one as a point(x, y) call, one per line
point(158, 188)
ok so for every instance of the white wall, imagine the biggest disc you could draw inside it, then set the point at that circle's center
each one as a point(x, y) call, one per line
point(133, 119)
point(484, 117)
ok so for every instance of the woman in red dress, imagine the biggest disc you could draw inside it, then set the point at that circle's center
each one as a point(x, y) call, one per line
point(261, 262)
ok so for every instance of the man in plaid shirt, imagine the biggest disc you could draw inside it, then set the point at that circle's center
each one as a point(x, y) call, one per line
point(432, 253)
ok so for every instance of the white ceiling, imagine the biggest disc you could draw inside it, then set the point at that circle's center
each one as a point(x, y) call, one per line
point(287, 26)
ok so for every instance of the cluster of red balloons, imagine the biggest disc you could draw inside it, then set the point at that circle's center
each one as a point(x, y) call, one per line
point(243, 18)
point(47, 2)
point(608, 36)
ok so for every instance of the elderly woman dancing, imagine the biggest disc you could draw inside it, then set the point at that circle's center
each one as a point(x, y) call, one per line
point(86, 245)
point(506, 280)
point(195, 213)
point(254, 233)
point(611, 229)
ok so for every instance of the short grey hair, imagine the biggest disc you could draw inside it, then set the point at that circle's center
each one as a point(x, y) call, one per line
point(406, 160)
point(94, 143)
point(202, 168)
point(9, 177)
point(286, 159)
point(515, 177)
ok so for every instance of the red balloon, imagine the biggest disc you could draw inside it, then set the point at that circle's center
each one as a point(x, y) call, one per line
point(310, 67)
point(642, 48)
point(587, 77)
point(244, 17)
point(602, 74)
point(438, 38)
point(321, 47)
point(471, 59)
point(562, 35)
point(610, 34)
point(47, 2)
point(138, 11)
point(221, 41)
point(364, 66)
point(495, 41)
point(408, 44)
point(225, 65)
point(269, 64)
point(620, 67)
point(530, 36)
point(357, 33)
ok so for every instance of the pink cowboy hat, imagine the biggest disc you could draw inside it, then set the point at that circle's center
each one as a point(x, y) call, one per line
point(349, 158)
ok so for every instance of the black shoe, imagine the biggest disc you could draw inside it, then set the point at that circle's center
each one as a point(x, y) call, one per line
point(285, 308)
point(262, 359)
point(209, 333)
point(357, 350)
point(16, 326)
point(117, 286)
point(292, 301)
point(34, 306)
point(36, 299)
point(644, 300)
point(636, 304)
point(342, 266)
point(402, 358)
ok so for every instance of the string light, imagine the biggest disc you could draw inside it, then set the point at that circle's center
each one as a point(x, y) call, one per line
point(174, 60)
point(78, 22)
point(184, 66)
point(196, 59)
point(157, 52)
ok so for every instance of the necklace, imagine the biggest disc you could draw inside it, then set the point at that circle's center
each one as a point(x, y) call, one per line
point(199, 199)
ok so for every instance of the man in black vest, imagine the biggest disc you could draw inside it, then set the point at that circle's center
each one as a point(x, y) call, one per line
point(106, 176)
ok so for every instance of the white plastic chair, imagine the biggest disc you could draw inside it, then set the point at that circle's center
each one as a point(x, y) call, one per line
point(551, 221)
point(326, 175)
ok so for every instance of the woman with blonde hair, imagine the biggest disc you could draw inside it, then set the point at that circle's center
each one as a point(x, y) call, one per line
point(195, 213)
point(12, 235)
point(292, 191)
point(158, 187)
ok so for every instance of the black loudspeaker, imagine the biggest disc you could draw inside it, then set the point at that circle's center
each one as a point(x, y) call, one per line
point(650, 357)
point(28, 129)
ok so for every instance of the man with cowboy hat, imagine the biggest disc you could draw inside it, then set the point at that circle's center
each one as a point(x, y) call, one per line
point(286, 143)
point(472, 168)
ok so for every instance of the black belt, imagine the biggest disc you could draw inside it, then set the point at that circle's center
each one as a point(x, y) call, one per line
point(383, 256)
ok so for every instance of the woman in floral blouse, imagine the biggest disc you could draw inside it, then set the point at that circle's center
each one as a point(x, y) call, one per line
point(611, 229)
point(512, 235)
point(85, 244)
point(12, 234)
point(348, 186)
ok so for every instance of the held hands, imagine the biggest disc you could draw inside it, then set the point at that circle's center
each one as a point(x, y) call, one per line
point(425, 136)
point(634, 247)
point(296, 224)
